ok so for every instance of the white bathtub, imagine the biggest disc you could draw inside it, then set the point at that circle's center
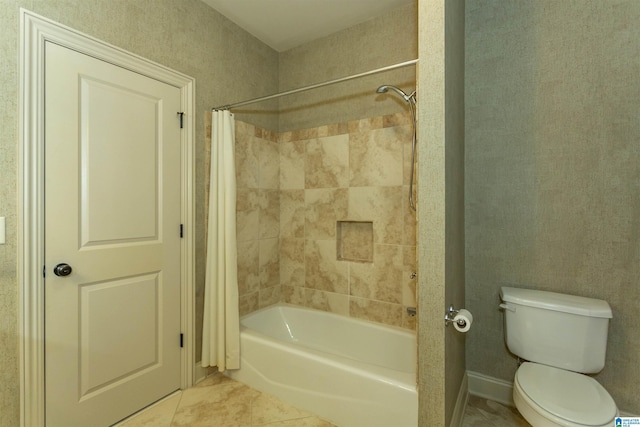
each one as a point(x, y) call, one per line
point(350, 372)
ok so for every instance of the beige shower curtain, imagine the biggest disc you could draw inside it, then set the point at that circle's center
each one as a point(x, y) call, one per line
point(221, 326)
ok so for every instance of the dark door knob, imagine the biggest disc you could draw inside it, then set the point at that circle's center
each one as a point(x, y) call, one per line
point(62, 270)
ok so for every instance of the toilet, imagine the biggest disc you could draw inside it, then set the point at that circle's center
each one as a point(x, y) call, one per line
point(561, 338)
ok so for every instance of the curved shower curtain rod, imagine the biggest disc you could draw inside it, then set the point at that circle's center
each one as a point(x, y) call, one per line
point(315, 86)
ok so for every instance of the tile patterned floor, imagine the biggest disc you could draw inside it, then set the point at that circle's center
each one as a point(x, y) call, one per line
point(487, 413)
point(221, 402)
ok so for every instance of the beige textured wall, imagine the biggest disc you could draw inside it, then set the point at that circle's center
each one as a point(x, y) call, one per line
point(186, 35)
point(382, 41)
point(441, 206)
point(553, 169)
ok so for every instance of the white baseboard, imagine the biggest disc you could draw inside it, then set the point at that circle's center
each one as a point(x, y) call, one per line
point(199, 373)
point(461, 402)
point(490, 388)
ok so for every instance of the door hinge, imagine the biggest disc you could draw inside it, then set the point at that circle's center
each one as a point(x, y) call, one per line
point(181, 340)
point(44, 271)
point(181, 231)
point(181, 114)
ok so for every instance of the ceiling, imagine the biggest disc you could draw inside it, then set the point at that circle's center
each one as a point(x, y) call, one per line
point(284, 24)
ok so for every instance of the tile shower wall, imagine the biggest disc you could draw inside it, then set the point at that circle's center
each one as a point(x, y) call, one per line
point(257, 214)
point(294, 187)
point(356, 171)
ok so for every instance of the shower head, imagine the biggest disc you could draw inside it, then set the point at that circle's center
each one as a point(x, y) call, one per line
point(385, 88)
point(411, 100)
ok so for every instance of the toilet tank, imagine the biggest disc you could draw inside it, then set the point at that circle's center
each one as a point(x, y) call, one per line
point(565, 331)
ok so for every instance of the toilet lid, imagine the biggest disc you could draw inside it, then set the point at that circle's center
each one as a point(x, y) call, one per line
point(567, 395)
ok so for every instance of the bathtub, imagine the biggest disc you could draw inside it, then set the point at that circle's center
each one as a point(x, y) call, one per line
point(350, 372)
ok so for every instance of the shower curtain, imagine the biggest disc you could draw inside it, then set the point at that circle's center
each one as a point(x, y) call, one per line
point(221, 325)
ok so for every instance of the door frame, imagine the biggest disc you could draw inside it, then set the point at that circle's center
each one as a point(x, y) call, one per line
point(35, 31)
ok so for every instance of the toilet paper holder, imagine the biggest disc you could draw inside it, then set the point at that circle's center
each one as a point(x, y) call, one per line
point(449, 317)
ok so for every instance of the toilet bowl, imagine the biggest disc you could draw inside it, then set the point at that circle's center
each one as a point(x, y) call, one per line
point(562, 337)
point(551, 397)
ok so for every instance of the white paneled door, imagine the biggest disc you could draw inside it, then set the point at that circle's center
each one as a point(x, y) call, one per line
point(112, 240)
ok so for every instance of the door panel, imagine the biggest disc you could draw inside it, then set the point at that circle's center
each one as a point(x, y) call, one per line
point(106, 354)
point(112, 212)
point(123, 186)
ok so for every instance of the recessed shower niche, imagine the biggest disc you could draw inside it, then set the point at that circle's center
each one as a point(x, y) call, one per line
point(354, 241)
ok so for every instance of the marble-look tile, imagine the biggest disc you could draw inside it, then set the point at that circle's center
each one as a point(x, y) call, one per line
point(375, 158)
point(159, 414)
point(327, 301)
point(247, 214)
point(269, 296)
point(292, 213)
point(410, 224)
point(323, 131)
point(268, 409)
point(409, 284)
point(323, 208)
point(366, 124)
point(300, 422)
point(409, 296)
point(214, 379)
point(293, 295)
point(337, 129)
point(243, 129)
point(381, 280)
point(481, 412)
point(383, 206)
point(292, 262)
point(222, 402)
point(309, 274)
point(269, 163)
point(266, 134)
point(322, 270)
point(397, 119)
point(355, 241)
point(269, 215)
point(248, 267)
point(248, 303)
point(311, 133)
point(292, 158)
point(409, 258)
point(227, 404)
point(327, 162)
point(405, 134)
point(409, 322)
point(269, 260)
point(285, 137)
point(376, 311)
point(247, 162)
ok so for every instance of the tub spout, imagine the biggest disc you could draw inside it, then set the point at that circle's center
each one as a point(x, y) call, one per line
point(411, 311)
